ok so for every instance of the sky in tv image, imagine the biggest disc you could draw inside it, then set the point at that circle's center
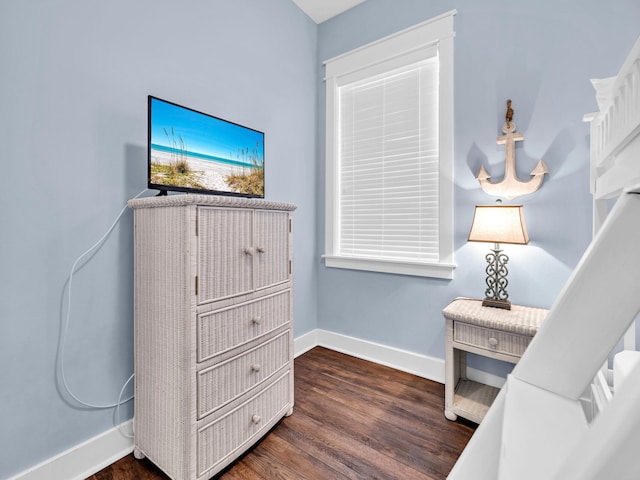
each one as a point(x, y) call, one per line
point(202, 134)
point(197, 151)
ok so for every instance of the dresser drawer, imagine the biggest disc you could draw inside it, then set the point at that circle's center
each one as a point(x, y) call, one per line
point(222, 440)
point(222, 383)
point(491, 340)
point(222, 330)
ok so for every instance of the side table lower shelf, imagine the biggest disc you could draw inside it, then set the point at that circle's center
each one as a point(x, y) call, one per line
point(471, 400)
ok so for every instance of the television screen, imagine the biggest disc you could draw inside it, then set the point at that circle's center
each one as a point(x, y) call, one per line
point(189, 151)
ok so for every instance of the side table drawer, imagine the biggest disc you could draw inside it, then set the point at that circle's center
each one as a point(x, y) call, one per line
point(491, 340)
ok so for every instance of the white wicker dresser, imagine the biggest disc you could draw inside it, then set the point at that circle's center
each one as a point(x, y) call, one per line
point(213, 328)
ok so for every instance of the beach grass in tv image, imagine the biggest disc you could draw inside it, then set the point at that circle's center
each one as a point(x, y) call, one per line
point(192, 151)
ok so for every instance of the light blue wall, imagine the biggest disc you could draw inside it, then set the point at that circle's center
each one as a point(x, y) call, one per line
point(541, 55)
point(73, 88)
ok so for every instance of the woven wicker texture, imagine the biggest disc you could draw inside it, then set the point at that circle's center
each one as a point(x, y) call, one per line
point(208, 200)
point(240, 251)
point(272, 253)
point(227, 437)
point(221, 330)
point(207, 362)
point(520, 320)
point(224, 269)
point(162, 426)
point(226, 381)
point(474, 398)
point(509, 343)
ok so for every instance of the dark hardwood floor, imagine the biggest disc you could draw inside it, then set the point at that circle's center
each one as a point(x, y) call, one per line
point(352, 419)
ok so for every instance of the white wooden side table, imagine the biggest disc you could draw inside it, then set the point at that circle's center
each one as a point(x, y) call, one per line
point(487, 331)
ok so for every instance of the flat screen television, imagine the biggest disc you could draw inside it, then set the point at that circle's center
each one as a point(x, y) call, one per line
point(190, 151)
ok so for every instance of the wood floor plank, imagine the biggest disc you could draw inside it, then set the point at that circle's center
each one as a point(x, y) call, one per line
point(310, 436)
point(371, 432)
point(277, 450)
point(352, 419)
point(410, 412)
point(399, 411)
point(353, 455)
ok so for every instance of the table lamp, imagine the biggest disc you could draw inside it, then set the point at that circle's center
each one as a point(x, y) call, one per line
point(498, 224)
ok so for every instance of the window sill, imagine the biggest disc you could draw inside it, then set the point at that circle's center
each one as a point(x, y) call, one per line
point(434, 270)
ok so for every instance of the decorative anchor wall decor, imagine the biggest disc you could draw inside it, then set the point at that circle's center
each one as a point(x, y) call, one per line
point(511, 186)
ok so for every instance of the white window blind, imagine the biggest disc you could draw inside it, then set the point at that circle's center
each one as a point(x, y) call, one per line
point(388, 165)
point(389, 153)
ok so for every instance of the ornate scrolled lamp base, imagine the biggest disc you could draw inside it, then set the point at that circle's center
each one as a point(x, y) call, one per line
point(496, 293)
point(498, 224)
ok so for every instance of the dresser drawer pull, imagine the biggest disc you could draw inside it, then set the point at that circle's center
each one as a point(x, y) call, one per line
point(256, 320)
point(493, 342)
point(248, 251)
point(261, 250)
point(256, 419)
point(255, 368)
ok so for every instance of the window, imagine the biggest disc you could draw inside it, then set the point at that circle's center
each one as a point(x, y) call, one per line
point(389, 185)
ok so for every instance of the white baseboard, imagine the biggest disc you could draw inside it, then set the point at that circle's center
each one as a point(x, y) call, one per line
point(93, 455)
point(305, 342)
point(85, 459)
point(423, 366)
point(410, 362)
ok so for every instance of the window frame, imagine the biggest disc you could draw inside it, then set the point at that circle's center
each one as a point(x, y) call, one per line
point(405, 46)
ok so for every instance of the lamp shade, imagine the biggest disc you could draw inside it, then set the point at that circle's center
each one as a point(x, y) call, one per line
point(499, 224)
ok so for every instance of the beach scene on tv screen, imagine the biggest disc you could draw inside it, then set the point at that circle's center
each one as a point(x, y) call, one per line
point(197, 151)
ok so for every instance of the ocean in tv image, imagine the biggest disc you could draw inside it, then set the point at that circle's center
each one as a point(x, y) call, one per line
point(192, 150)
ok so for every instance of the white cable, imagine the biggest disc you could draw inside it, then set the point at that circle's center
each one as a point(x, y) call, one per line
point(65, 327)
point(121, 402)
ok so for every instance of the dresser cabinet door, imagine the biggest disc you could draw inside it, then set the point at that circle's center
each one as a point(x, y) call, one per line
point(225, 251)
point(272, 246)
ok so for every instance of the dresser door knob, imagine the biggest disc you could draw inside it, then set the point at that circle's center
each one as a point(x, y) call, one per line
point(255, 368)
point(256, 419)
point(256, 320)
point(248, 251)
point(493, 342)
point(261, 250)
